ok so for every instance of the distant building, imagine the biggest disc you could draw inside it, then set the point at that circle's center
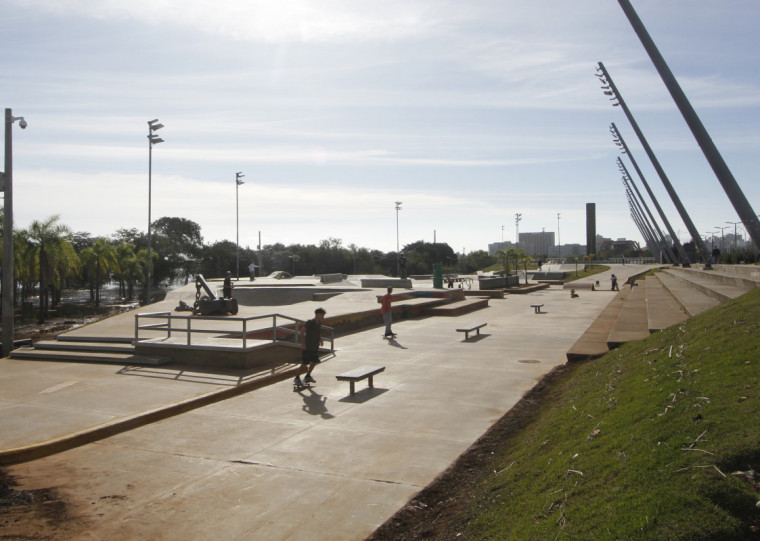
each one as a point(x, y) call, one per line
point(536, 243)
point(568, 250)
point(496, 246)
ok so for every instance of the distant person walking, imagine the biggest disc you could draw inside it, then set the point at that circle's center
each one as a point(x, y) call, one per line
point(385, 309)
point(613, 279)
point(227, 287)
point(252, 271)
point(311, 339)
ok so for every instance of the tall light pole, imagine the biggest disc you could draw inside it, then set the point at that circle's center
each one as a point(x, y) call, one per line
point(734, 224)
point(719, 167)
point(7, 186)
point(559, 244)
point(518, 219)
point(238, 182)
point(398, 253)
point(608, 85)
point(722, 240)
point(502, 238)
point(153, 139)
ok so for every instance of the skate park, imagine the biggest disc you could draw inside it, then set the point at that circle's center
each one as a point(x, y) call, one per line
point(164, 449)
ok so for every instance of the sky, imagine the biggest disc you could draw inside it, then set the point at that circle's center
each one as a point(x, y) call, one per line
point(468, 113)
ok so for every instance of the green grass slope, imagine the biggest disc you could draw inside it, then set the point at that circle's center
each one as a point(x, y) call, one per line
point(658, 439)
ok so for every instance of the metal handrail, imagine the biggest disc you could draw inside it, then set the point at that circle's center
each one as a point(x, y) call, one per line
point(169, 317)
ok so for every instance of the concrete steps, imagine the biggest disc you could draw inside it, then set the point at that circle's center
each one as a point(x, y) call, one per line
point(663, 310)
point(692, 300)
point(593, 343)
point(632, 322)
point(661, 300)
point(116, 351)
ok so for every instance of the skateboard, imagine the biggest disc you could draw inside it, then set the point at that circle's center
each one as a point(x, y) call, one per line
point(390, 336)
point(302, 386)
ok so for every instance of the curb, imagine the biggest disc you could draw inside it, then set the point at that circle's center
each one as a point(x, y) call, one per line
point(52, 446)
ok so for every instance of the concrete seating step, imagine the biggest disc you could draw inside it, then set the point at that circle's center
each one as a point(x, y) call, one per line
point(593, 343)
point(87, 356)
point(459, 307)
point(719, 285)
point(694, 301)
point(662, 309)
point(631, 322)
point(63, 345)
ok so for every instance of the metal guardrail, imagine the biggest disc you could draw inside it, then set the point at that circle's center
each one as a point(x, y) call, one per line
point(167, 322)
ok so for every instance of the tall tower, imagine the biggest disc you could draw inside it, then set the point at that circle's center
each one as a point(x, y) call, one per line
point(590, 228)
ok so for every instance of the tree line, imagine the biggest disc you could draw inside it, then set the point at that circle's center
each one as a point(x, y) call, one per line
point(49, 258)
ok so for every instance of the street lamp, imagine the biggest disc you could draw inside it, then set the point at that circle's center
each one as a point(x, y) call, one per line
point(518, 219)
point(238, 182)
point(153, 139)
point(722, 242)
point(7, 187)
point(734, 224)
point(398, 253)
point(559, 244)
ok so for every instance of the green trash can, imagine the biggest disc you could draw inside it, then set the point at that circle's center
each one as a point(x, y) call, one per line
point(437, 276)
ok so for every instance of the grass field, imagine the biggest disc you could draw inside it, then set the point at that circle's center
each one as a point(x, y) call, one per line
point(657, 440)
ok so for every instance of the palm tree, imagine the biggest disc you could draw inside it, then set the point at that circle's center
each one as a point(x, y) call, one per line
point(504, 254)
point(98, 260)
point(67, 263)
point(123, 252)
point(87, 269)
point(48, 239)
point(128, 269)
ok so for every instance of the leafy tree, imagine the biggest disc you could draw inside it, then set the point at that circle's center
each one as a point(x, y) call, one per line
point(477, 260)
point(421, 256)
point(179, 243)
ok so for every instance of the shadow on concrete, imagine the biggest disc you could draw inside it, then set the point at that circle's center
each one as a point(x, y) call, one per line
point(476, 338)
point(395, 343)
point(210, 376)
point(363, 395)
point(314, 403)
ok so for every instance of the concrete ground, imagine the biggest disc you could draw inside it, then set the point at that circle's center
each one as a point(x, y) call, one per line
point(278, 464)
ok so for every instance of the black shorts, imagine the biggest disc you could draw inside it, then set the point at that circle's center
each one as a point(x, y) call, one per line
point(308, 356)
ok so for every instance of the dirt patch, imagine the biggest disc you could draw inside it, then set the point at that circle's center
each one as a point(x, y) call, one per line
point(437, 511)
point(31, 514)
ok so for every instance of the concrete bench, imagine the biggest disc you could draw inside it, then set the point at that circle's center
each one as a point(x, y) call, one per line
point(358, 374)
point(537, 307)
point(468, 330)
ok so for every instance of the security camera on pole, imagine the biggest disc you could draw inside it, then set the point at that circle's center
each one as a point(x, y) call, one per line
point(7, 187)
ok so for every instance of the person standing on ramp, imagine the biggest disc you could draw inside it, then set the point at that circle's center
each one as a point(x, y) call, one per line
point(385, 309)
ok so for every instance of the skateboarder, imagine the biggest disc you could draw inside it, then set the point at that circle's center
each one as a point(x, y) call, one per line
point(227, 287)
point(385, 309)
point(311, 339)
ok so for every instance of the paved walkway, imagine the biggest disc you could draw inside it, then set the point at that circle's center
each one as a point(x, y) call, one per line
point(279, 464)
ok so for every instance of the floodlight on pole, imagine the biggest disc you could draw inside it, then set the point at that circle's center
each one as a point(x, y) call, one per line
point(153, 139)
point(398, 253)
point(720, 168)
point(734, 224)
point(627, 178)
point(518, 219)
point(620, 142)
point(238, 182)
point(608, 85)
point(8, 269)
